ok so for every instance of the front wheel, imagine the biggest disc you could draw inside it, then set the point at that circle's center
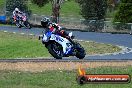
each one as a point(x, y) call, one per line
point(27, 24)
point(18, 24)
point(80, 52)
point(55, 50)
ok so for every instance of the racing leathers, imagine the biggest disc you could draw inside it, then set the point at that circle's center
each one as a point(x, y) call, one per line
point(56, 29)
point(17, 15)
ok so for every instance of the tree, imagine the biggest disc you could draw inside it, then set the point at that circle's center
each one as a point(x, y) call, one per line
point(56, 5)
point(40, 3)
point(93, 9)
point(94, 13)
point(124, 13)
point(12, 4)
point(111, 5)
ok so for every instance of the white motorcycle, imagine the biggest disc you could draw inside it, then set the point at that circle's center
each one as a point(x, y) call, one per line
point(59, 46)
point(23, 21)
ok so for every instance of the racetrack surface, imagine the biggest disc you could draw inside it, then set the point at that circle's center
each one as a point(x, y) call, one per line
point(124, 40)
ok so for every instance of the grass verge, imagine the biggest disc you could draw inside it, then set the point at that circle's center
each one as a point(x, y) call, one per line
point(7, 24)
point(93, 48)
point(21, 46)
point(25, 46)
point(64, 11)
point(58, 79)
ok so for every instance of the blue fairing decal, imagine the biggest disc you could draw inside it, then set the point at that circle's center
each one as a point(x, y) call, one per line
point(59, 39)
point(48, 34)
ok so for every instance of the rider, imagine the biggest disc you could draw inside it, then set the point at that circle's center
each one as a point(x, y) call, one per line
point(16, 14)
point(53, 27)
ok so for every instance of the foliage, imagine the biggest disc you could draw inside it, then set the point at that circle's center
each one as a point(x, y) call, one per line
point(93, 9)
point(40, 3)
point(124, 13)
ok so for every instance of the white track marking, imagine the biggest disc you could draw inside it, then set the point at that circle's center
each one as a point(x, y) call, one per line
point(22, 33)
point(5, 31)
point(31, 34)
point(14, 32)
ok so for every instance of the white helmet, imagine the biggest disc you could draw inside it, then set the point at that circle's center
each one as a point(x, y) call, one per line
point(16, 9)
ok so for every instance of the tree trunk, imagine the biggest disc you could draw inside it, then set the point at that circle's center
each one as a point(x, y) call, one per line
point(55, 12)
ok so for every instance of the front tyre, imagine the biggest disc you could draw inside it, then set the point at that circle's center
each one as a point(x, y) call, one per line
point(27, 24)
point(80, 52)
point(55, 50)
point(18, 24)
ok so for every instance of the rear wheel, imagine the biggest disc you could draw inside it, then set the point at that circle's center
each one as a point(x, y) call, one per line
point(55, 50)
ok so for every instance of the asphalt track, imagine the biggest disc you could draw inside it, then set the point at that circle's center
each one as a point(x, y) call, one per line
point(123, 40)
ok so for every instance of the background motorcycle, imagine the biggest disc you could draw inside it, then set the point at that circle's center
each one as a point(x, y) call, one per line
point(56, 45)
point(22, 21)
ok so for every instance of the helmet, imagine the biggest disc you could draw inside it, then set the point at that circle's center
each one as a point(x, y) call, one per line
point(45, 21)
point(16, 9)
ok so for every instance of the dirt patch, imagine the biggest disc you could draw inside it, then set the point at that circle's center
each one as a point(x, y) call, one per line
point(43, 66)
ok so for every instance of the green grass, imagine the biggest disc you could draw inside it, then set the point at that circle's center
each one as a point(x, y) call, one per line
point(67, 9)
point(45, 10)
point(2, 3)
point(7, 25)
point(99, 48)
point(58, 79)
point(18, 46)
point(70, 9)
point(25, 46)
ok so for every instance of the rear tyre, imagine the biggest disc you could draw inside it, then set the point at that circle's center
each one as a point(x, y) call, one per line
point(55, 50)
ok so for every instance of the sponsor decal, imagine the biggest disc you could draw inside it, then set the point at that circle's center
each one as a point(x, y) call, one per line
point(84, 78)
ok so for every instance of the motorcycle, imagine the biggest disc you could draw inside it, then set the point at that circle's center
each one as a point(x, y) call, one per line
point(59, 46)
point(22, 21)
